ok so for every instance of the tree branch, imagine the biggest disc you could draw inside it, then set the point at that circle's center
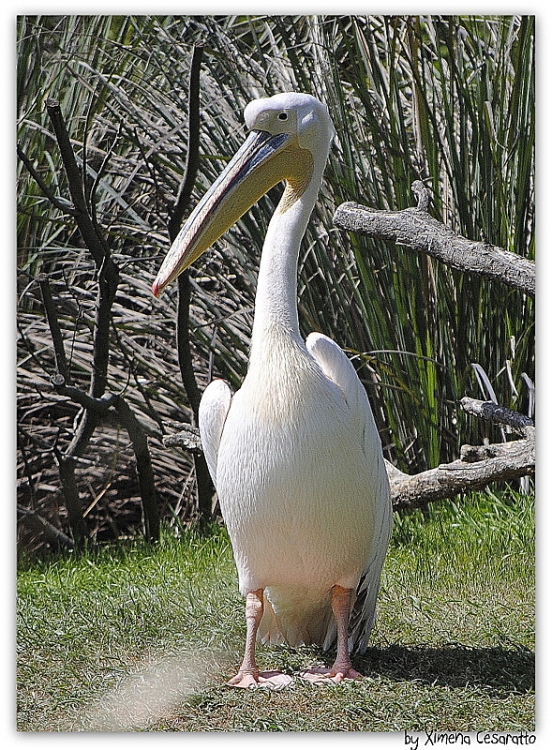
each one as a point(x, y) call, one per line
point(494, 463)
point(60, 203)
point(177, 215)
point(71, 496)
point(416, 229)
point(98, 408)
point(144, 468)
point(204, 485)
point(108, 281)
point(55, 330)
point(74, 180)
point(491, 412)
point(98, 405)
point(192, 155)
point(51, 534)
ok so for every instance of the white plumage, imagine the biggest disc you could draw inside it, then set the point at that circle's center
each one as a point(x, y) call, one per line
point(295, 454)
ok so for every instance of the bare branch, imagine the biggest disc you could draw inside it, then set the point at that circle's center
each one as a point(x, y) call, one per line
point(71, 496)
point(59, 203)
point(498, 414)
point(416, 229)
point(204, 485)
point(98, 407)
point(55, 330)
point(93, 241)
point(144, 468)
point(192, 155)
point(108, 281)
point(51, 534)
point(497, 463)
point(181, 204)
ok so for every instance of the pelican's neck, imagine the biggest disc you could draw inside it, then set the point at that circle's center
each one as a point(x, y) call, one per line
point(276, 298)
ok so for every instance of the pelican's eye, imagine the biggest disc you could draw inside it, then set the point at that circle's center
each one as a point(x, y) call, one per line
point(283, 116)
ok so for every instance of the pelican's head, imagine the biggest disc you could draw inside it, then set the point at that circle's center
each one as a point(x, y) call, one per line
point(290, 136)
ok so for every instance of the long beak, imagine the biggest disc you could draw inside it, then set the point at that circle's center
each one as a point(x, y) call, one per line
point(258, 165)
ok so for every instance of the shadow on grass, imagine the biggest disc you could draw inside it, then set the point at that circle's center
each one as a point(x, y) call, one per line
point(499, 670)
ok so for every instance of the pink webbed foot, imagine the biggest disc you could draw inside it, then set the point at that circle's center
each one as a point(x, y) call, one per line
point(335, 675)
point(272, 680)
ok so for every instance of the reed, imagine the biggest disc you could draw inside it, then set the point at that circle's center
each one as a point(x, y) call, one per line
point(446, 99)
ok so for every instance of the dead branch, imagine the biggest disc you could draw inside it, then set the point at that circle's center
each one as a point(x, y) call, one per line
point(492, 412)
point(204, 485)
point(36, 522)
point(98, 408)
point(96, 403)
point(192, 154)
point(94, 242)
point(55, 330)
point(58, 202)
point(416, 229)
point(144, 468)
point(477, 467)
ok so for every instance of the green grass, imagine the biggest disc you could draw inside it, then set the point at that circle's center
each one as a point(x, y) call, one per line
point(135, 638)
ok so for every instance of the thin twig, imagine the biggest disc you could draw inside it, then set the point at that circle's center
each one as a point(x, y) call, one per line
point(59, 203)
point(55, 330)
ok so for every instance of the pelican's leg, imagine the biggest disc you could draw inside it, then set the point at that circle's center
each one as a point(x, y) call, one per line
point(249, 675)
point(249, 671)
point(341, 606)
point(342, 667)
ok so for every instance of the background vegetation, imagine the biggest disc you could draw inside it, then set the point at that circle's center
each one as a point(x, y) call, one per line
point(446, 99)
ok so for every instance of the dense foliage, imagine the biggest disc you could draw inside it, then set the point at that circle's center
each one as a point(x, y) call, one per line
point(446, 99)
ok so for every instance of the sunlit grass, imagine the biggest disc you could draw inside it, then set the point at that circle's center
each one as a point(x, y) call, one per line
point(138, 638)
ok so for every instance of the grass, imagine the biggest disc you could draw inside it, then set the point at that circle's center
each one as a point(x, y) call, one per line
point(135, 638)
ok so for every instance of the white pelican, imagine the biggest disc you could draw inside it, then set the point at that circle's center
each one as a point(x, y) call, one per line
point(294, 454)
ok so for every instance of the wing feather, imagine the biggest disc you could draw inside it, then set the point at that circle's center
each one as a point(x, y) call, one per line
point(213, 410)
point(337, 367)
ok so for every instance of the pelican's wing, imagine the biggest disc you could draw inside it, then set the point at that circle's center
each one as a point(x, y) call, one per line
point(337, 367)
point(213, 410)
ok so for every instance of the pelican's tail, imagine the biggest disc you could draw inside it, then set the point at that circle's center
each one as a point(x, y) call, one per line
point(299, 616)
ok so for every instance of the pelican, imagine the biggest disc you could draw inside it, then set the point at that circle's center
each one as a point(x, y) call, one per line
point(294, 454)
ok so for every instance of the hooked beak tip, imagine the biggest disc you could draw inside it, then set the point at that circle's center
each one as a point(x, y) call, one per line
point(155, 290)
